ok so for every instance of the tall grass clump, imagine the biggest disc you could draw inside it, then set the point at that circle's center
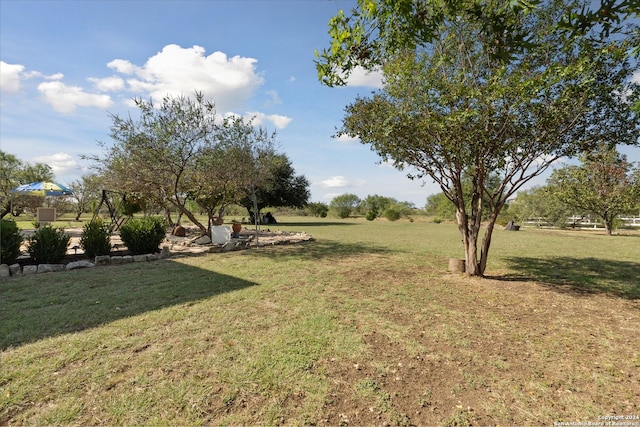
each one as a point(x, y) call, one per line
point(10, 241)
point(48, 245)
point(96, 238)
point(143, 235)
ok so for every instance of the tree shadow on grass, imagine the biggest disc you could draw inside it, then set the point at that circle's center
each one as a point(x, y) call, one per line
point(319, 250)
point(40, 306)
point(580, 275)
point(310, 224)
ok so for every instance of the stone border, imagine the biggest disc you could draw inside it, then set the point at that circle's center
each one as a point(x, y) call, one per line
point(196, 246)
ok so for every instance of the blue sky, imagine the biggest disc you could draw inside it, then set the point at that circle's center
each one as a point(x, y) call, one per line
point(66, 65)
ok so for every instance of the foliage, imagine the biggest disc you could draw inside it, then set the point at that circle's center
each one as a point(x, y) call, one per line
point(156, 155)
point(279, 186)
point(453, 111)
point(392, 214)
point(143, 235)
point(371, 215)
point(14, 172)
point(48, 245)
point(344, 204)
point(605, 185)
point(10, 241)
point(378, 29)
point(96, 238)
point(540, 204)
point(318, 209)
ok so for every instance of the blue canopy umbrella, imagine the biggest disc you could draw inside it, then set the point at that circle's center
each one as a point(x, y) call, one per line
point(43, 188)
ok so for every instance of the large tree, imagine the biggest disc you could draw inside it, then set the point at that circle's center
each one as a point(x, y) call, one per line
point(278, 186)
point(473, 100)
point(605, 184)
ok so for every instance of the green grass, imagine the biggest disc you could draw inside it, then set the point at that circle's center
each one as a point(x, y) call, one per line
point(362, 326)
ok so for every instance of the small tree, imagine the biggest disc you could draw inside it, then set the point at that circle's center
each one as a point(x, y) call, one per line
point(463, 99)
point(604, 185)
point(344, 204)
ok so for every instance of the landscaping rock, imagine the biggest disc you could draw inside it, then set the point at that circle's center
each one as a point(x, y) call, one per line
point(179, 231)
point(50, 268)
point(203, 240)
point(139, 258)
point(103, 260)
point(4, 270)
point(15, 269)
point(80, 264)
point(165, 253)
point(29, 269)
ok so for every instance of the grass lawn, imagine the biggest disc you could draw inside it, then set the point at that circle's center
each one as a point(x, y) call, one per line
point(363, 326)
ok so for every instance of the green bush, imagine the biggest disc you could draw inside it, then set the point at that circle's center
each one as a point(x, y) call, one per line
point(143, 235)
point(371, 215)
point(392, 214)
point(96, 239)
point(10, 241)
point(48, 245)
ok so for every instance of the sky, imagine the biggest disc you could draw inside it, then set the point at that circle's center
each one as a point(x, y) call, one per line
point(67, 66)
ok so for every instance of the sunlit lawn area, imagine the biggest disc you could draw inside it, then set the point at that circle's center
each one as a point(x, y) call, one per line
point(363, 326)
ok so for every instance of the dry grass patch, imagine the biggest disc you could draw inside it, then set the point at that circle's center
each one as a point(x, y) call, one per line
point(356, 328)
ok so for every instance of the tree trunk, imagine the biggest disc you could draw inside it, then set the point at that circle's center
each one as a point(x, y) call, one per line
point(608, 224)
point(486, 242)
point(470, 243)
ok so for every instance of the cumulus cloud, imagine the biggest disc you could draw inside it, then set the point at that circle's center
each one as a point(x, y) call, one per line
point(62, 164)
point(337, 181)
point(361, 77)
point(66, 99)
point(635, 78)
point(260, 119)
point(347, 139)
point(175, 71)
point(108, 84)
point(10, 77)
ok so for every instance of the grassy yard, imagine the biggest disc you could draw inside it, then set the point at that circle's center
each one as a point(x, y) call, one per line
point(363, 326)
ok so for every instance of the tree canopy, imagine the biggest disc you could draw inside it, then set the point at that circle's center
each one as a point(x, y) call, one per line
point(605, 184)
point(181, 154)
point(452, 107)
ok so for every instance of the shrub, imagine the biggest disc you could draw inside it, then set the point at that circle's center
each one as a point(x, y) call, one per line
point(392, 214)
point(96, 239)
point(371, 215)
point(48, 245)
point(143, 235)
point(10, 241)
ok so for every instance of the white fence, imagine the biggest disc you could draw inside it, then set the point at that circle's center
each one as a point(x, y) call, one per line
point(583, 222)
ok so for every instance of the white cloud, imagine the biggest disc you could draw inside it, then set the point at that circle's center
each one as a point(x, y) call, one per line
point(274, 99)
point(636, 77)
point(62, 164)
point(122, 66)
point(10, 77)
point(259, 119)
point(361, 77)
point(347, 139)
point(66, 99)
point(337, 181)
point(108, 84)
point(175, 71)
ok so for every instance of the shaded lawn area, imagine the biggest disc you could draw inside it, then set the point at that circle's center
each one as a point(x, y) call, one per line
point(363, 326)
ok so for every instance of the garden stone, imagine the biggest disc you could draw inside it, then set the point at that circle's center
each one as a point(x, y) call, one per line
point(15, 269)
point(29, 269)
point(126, 259)
point(165, 253)
point(80, 264)
point(103, 260)
point(139, 258)
point(179, 231)
point(116, 260)
point(4, 270)
point(50, 268)
point(203, 240)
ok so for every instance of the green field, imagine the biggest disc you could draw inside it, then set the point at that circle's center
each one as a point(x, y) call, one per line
point(363, 326)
